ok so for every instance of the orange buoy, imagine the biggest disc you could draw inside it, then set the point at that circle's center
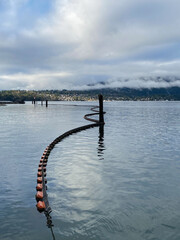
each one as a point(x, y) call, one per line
point(39, 179)
point(41, 206)
point(39, 186)
point(40, 169)
point(39, 174)
point(39, 195)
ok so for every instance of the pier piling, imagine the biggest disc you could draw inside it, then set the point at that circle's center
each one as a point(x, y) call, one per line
point(101, 113)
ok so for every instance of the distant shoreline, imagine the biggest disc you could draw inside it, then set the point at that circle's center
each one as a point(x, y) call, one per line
point(109, 94)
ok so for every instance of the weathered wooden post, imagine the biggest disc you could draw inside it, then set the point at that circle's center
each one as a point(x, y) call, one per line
point(46, 103)
point(101, 114)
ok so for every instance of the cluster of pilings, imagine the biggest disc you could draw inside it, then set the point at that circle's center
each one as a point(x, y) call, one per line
point(35, 102)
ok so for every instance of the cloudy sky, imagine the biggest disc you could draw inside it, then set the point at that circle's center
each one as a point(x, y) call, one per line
point(56, 44)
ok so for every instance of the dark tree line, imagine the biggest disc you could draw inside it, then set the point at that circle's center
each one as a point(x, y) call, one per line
point(119, 94)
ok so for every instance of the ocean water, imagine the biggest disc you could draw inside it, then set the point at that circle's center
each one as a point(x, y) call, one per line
point(123, 185)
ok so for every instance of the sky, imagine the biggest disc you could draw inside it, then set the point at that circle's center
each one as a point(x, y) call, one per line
point(78, 44)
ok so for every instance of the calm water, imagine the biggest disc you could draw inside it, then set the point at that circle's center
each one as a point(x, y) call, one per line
point(123, 186)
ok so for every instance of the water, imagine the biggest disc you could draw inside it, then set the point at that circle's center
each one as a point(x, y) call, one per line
point(124, 185)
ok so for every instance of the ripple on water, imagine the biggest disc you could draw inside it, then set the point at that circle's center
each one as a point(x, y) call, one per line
point(120, 186)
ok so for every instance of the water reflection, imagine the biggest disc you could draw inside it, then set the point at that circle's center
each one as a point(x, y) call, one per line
point(133, 196)
point(50, 224)
point(53, 236)
point(100, 150)
point(101, 146)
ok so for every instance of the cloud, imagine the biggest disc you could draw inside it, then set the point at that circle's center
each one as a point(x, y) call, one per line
point(46, 80)
point(109, 30)
point(102, 39)
point(136, 83)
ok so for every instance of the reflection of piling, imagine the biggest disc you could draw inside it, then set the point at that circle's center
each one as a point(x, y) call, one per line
point(101, 114)
point(41, 103)
point(101, 142)
point(101, 132)
point(46, 103)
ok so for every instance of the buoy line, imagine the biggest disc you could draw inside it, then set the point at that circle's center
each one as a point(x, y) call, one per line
point(41, 188)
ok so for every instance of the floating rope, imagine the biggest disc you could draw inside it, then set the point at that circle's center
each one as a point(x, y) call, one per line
point(41, 195)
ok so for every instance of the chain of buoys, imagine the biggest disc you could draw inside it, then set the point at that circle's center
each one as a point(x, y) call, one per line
point(41, 194)
point(92, 114)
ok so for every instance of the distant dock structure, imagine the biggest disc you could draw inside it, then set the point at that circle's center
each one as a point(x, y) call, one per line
point(34, 102)
point(3, 103)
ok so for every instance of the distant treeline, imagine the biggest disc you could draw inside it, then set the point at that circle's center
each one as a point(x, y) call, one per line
point(119, 94)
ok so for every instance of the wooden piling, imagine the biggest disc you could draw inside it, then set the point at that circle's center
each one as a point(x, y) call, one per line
point(46, 103)
point(101, 114)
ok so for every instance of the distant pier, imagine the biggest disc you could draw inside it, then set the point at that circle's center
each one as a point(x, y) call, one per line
point(11, 102)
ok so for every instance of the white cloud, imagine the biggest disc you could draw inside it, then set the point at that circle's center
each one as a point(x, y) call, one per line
point(46, 80)
point(109, 38)
point(106, 29)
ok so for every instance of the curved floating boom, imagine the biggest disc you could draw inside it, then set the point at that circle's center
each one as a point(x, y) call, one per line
point(41, 195)
point(92, 114)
